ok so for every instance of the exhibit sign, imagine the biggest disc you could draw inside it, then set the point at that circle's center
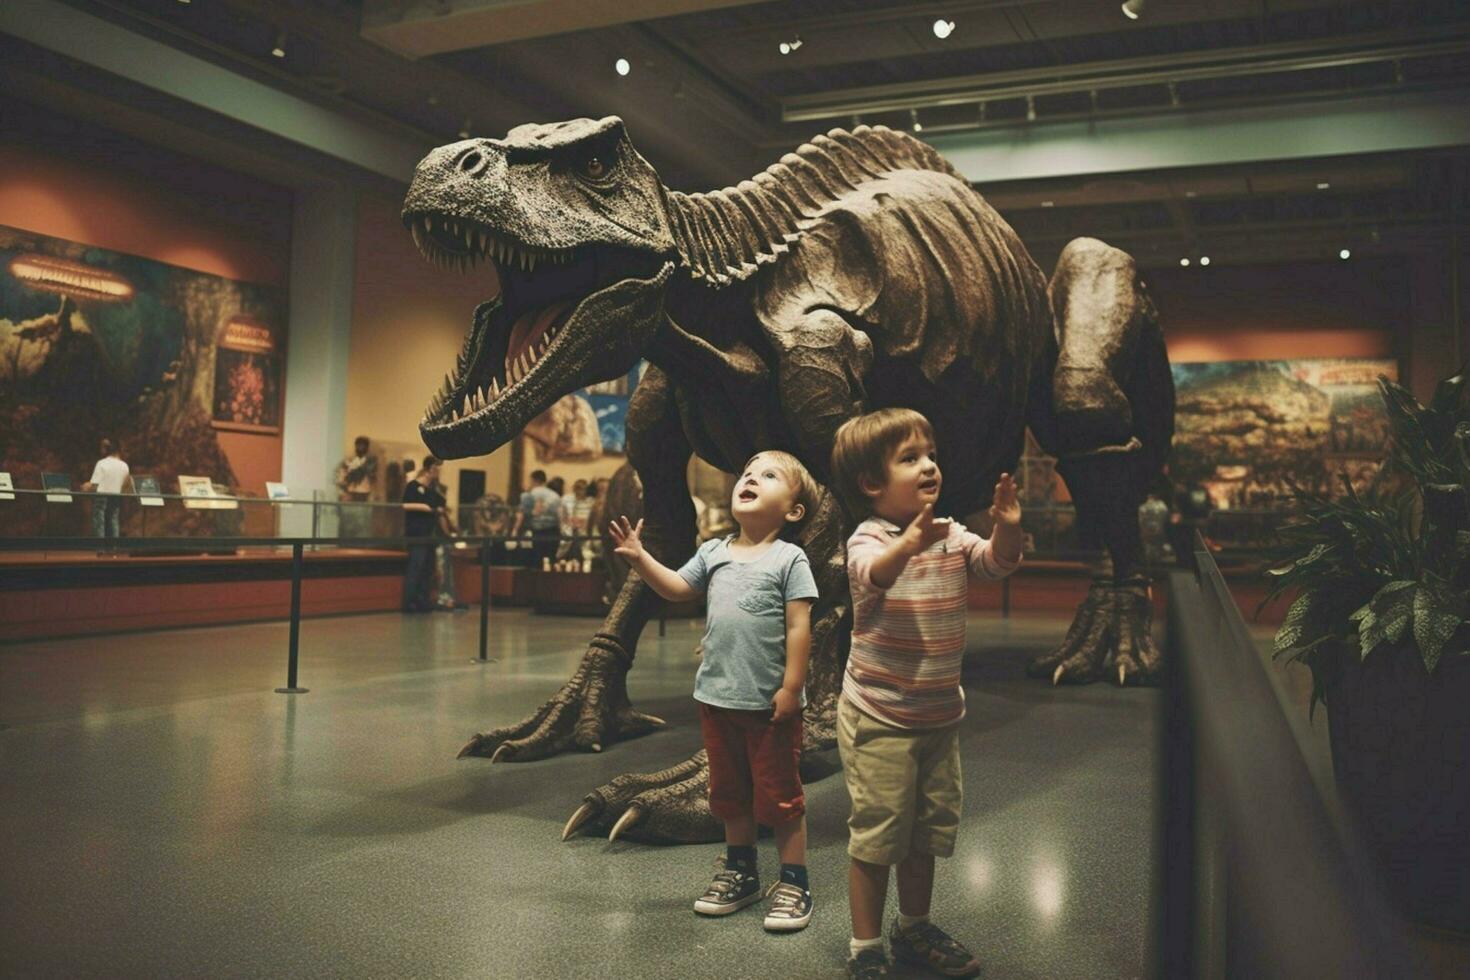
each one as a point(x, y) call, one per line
point(5, 487)
point(247, 377)
point(277, 491)
point(197, 491)
point(147, 489)
point(56, 484)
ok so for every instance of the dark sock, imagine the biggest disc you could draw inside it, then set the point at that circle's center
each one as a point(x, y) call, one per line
point(795, 874)
point(741, 857)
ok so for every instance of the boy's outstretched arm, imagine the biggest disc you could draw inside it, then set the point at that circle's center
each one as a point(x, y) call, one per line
point(1005, 508)
point(662, 579)
point(922, 532)
point(787, 701)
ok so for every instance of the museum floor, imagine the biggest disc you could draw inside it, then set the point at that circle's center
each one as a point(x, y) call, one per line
point(168, 815)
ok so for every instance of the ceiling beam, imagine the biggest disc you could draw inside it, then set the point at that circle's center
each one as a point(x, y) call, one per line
point(63, 29)
point(419, 28)
point(1120, 73)
point(1381, 124)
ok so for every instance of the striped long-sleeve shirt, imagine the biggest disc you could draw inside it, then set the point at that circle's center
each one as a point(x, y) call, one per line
point(908, 640)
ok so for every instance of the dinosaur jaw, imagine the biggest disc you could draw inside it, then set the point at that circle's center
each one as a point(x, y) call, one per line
point(564, 319)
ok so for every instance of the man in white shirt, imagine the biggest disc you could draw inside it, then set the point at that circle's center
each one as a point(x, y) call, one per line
point(109, 477)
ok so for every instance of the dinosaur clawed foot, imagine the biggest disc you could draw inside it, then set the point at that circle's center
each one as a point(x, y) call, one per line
point(590, 711)
point(667, 807)
point(1109, 639)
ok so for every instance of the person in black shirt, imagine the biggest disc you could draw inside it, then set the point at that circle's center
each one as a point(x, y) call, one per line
point(422, 505)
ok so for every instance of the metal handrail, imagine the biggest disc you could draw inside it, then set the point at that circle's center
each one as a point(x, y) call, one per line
point(1244, 826)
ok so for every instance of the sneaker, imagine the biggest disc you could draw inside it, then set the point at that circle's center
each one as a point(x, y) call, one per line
point(928, 945)
point(870, 964)
point(729, 891)
point(791, 907)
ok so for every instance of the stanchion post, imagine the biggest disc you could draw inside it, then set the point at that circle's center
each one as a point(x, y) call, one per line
point(484, 601)
point(296, 569)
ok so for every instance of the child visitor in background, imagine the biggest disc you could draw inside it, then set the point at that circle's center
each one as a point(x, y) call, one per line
point(751, 685)
point(901, 705)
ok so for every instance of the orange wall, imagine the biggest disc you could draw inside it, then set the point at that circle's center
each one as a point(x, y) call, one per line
point(1344, 309)
point(72, 182)
point(409, 320)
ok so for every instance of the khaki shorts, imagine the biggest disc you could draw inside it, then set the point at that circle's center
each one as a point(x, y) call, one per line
point(905, 787)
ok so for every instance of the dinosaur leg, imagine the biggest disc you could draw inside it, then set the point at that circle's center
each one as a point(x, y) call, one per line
point(592, 709)
point(1109, 417)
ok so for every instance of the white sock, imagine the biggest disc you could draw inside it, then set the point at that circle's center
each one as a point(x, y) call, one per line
point(856, 946)
point(909, 921)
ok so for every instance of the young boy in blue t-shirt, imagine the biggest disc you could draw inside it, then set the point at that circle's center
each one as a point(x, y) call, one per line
point(751, 685)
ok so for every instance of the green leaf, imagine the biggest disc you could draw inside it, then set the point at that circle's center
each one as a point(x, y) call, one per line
point(1387, 615)
point(1435, 621)
point(1296, 622)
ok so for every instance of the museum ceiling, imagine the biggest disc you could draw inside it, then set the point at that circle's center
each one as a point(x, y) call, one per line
point(711, 97)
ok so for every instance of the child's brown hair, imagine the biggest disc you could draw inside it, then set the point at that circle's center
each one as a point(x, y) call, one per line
point(808, 492)
point(861, 448)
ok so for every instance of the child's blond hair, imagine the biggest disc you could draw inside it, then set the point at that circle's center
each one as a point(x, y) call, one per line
point(861, 448)
point(808, 493)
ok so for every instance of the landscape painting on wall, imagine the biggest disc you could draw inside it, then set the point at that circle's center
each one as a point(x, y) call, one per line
point(1248, 431)
point(585, 425)
point(99, 344)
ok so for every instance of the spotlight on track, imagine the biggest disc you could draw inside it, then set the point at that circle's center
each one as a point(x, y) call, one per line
point(1346, 253)
point(1184, 262)
point(943, 28)
point(787, 47)
point(1133, 8)
point(279, 51)
point(914, 115)
point(1323, 185)
point(1030, 108)
point(1204, 260)
point(464, 130)
point(622, 66)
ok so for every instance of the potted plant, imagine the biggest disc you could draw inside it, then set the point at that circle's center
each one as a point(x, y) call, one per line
point(1382, 619)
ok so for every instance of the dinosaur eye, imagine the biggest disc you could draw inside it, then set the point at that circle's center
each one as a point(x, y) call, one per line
point(594, 168)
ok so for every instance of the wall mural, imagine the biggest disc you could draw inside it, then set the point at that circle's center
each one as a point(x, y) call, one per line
point(96, 343)
point(585, 425)
point(1247, 431)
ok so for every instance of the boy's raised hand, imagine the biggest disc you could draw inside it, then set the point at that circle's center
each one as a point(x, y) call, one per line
point(1006, 508)
point(925, 531)
point(626, 536)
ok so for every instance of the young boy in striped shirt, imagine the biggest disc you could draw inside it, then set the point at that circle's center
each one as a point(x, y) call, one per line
point(898, 717)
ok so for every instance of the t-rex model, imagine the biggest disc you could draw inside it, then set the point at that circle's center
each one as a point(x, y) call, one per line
point(860, 271)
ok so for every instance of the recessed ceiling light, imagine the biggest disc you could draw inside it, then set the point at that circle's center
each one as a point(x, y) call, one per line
point(1191, 193)
point(943, 28)
point(1184, 262)
point(787, 47)
point(1204, 260)
point(914, 116)
point(1048, 204)
point(1132, 9)
point(279, 51)
point(622, 66)
point(464, 130)
point(1346, 253)
point(1322, 185)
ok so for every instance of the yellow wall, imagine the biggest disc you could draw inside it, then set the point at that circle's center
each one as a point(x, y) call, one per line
point(409, 320)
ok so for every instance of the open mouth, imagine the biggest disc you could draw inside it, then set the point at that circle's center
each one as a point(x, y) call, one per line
point(519, 338)
point(928, 486)
point(747, 496)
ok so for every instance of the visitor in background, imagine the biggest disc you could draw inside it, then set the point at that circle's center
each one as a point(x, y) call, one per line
point(1153, 523)
point(539, 516)
point(447, 599)
point(567, 513)
point(356, 477)
point(422, 505)
point(109, 477)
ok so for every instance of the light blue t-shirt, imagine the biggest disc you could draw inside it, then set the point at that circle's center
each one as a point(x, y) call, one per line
point(745, 626)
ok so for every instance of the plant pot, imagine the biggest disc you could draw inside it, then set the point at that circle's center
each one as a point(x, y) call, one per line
point(1401, 754)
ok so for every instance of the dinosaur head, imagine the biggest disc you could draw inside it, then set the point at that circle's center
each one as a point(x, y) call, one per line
point(577, 225)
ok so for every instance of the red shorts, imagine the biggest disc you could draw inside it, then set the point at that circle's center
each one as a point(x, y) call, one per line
point(753, 764)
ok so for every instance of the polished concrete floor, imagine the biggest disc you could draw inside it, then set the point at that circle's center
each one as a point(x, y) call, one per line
point(166, 814)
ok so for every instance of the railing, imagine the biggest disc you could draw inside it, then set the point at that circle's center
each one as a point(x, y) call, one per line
point(1257, 878)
